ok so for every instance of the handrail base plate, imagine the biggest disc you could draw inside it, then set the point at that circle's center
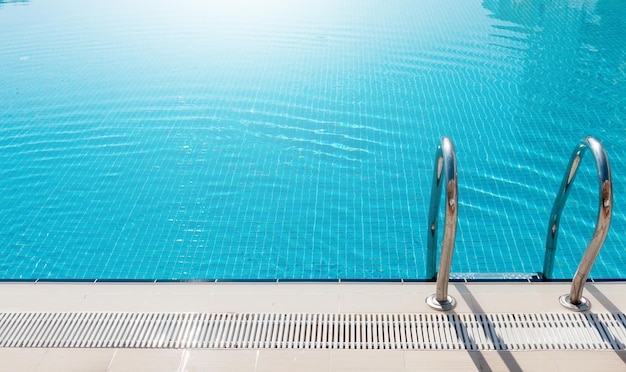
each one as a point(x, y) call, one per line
point(584, 304)
point(446, 305)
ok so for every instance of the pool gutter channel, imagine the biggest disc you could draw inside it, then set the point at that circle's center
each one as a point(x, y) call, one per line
point(571, 331)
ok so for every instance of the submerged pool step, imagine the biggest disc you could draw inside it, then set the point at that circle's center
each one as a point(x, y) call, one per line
point(552, 331)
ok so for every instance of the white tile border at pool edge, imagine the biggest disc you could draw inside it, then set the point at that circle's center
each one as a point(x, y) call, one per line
point(484, 297)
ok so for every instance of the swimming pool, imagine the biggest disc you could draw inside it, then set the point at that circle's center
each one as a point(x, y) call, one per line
point(295, 140)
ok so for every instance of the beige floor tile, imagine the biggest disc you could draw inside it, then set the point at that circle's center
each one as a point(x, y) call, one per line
point(153, 360)
point(510, 361)
point(366, 360)
point(18, 302)
point(56, 302)
point(181, 302)
point(376, 303)
point(293, 360)
point(218, 361)
point(444, 361)
point(241, 302)
point(15, 288)
point(306, 288)
point(97, 297)
point(113, 302)
point(231, 287)
point(513, 297)
point(321, 297)
point(590, 361)
point(309, 303)
point(56, 297)
point(539, 361)
point(192, 289)
point(18, 359)
point(372, 288)
point(606, 296)
point(79, 360)
point(556, 360)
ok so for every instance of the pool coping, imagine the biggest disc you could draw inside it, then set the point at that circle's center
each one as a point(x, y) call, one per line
point(298, 296)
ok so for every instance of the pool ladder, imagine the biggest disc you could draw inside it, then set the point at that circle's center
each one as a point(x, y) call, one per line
point(445, 165)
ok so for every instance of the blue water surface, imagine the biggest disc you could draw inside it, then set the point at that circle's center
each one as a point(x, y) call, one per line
point(249, 139)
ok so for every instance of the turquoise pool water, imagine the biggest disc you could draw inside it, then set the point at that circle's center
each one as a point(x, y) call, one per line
point(295, 139)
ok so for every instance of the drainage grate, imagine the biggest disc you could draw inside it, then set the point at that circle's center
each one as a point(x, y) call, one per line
point(568, 331)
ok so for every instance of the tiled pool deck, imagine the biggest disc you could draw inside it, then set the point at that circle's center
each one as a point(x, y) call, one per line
point(345, 297)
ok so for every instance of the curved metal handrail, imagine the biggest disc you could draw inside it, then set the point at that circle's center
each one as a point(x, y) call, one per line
point(575, 300)
point(445, 164)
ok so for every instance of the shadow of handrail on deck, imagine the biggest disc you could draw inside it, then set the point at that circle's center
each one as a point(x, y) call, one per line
point(480, 362)
point(475, 354)
point(602, 299)
point(604, 333)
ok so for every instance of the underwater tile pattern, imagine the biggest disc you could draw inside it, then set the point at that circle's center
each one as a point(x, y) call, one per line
point(266, 139)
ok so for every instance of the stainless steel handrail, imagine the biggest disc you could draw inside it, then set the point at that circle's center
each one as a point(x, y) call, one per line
point(445, 164)
point(575, 299)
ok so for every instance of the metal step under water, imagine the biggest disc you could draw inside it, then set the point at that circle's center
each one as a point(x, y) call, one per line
point(404, 331)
